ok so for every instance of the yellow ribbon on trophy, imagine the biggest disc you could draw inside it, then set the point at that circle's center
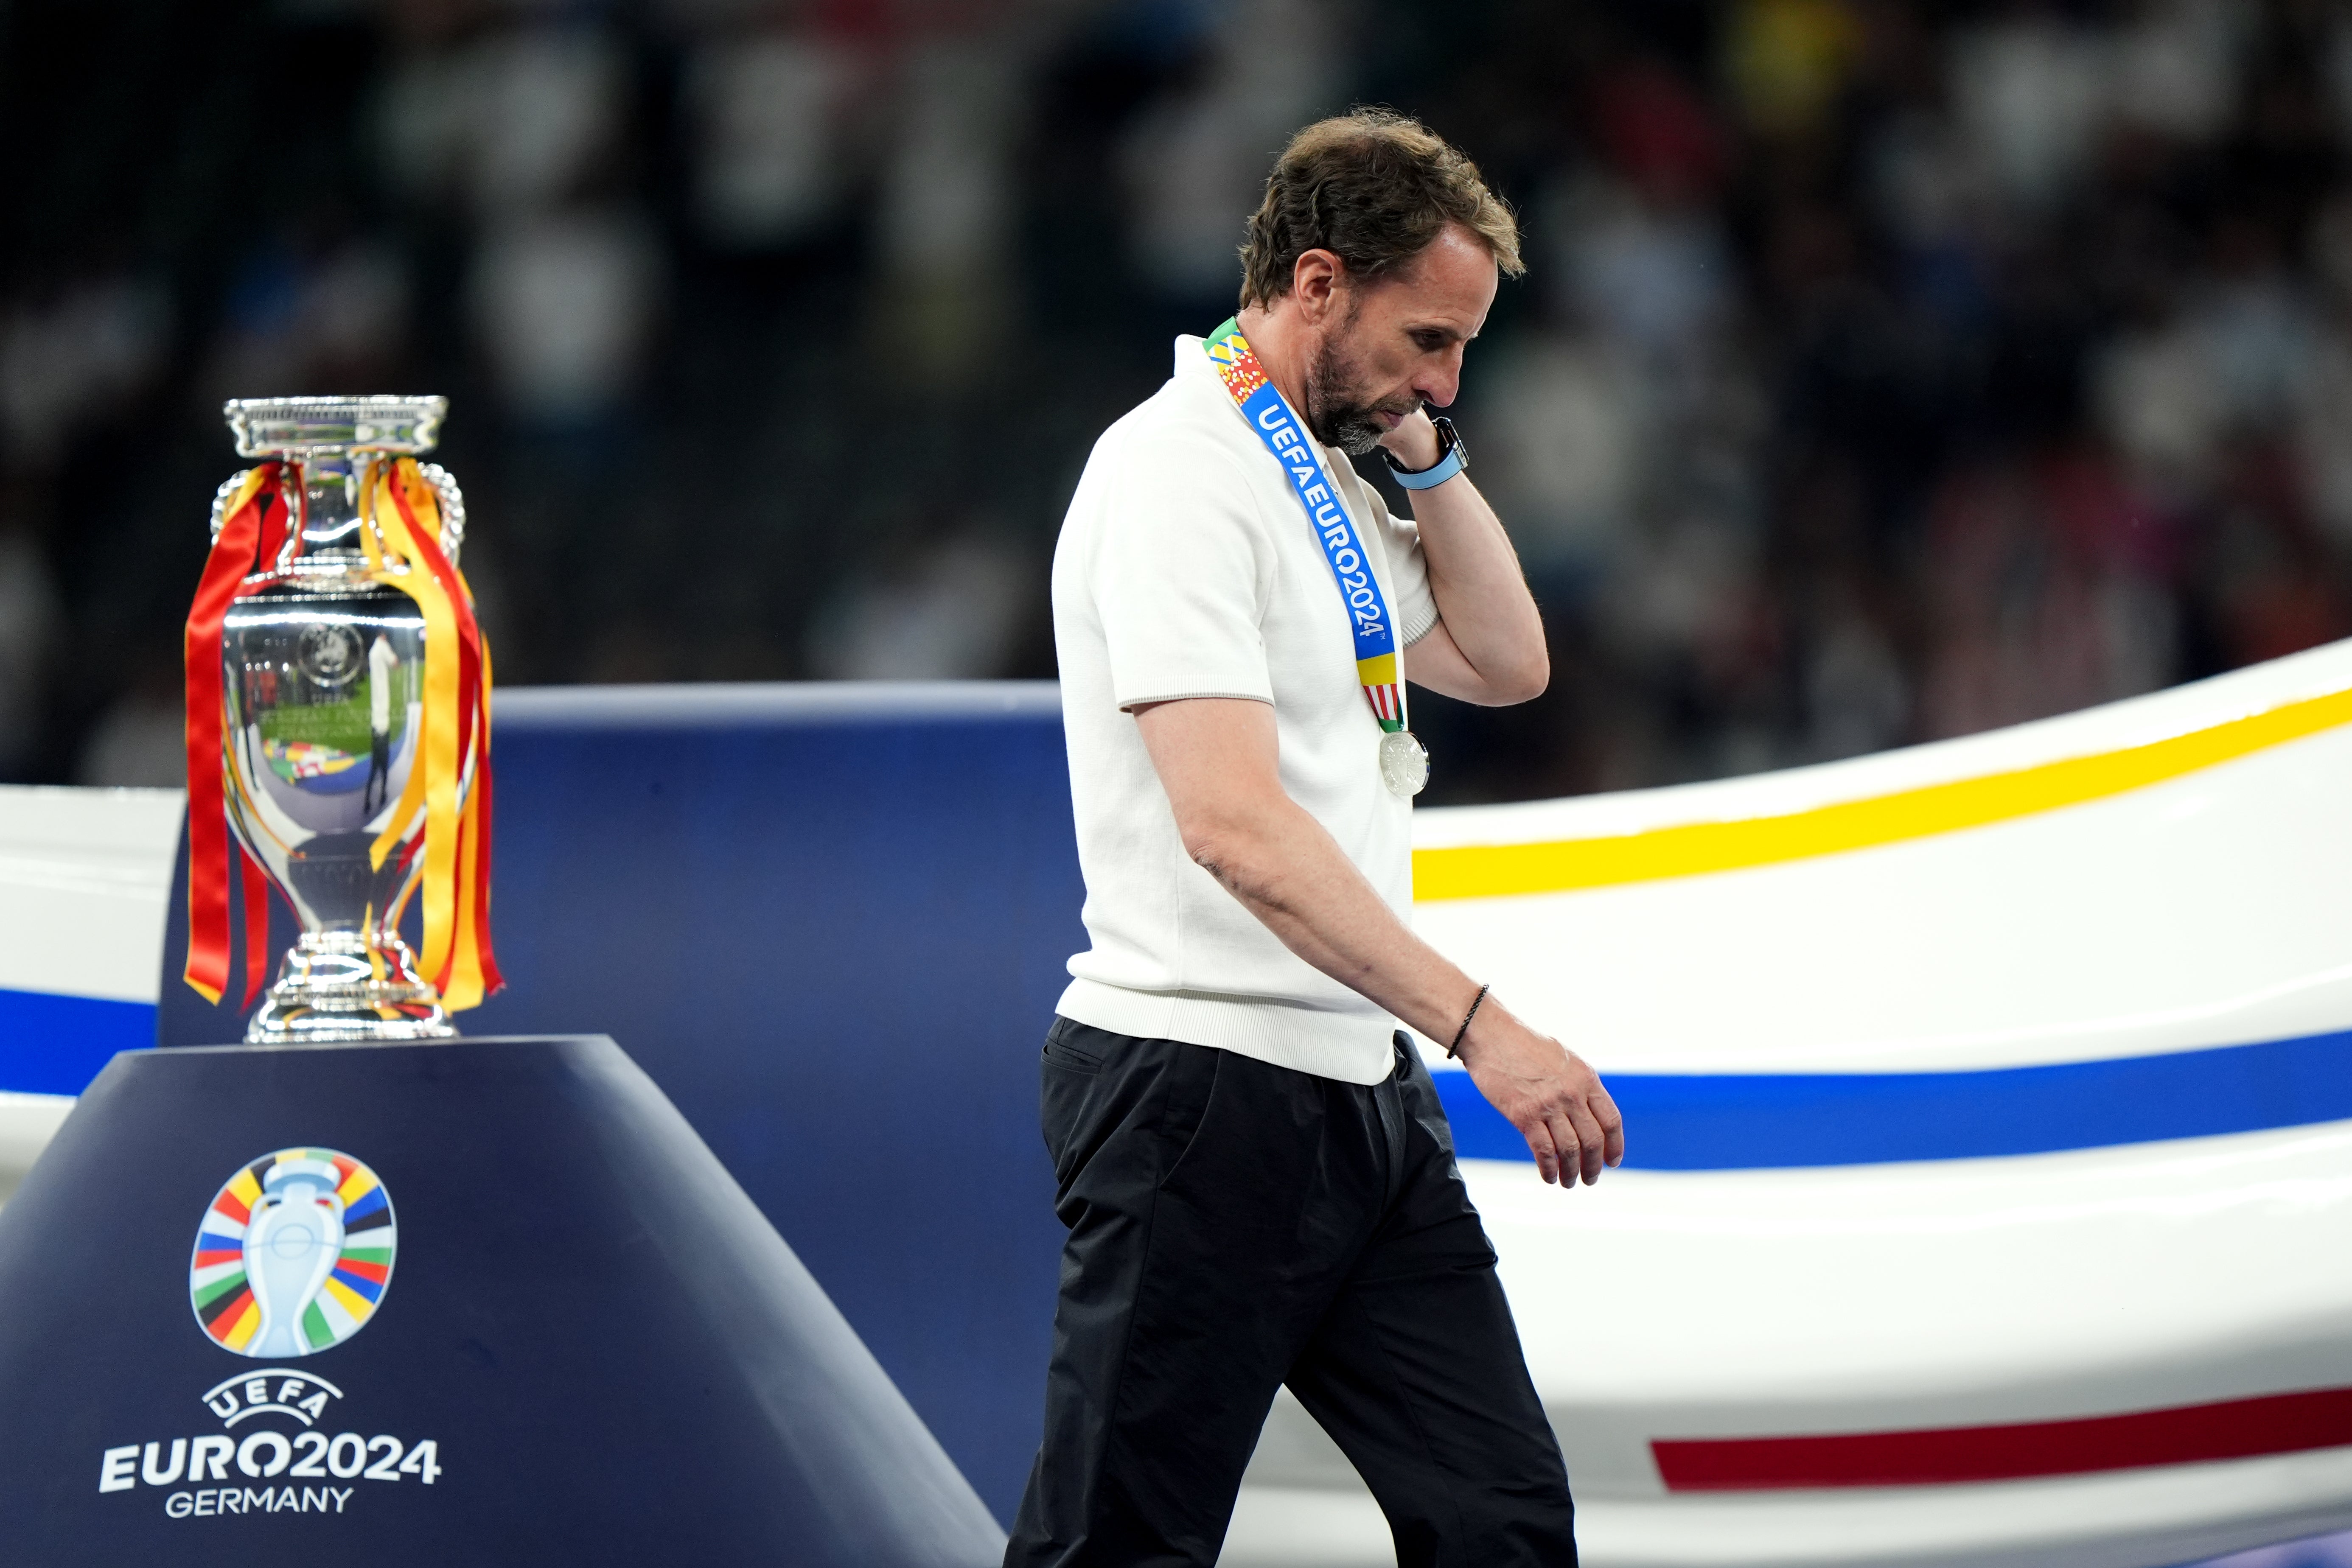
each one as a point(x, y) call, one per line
point(400, 533)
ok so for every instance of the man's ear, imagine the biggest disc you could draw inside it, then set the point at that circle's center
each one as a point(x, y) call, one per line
point(1316, 280)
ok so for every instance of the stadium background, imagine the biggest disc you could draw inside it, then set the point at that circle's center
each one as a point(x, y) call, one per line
point(1884, 371)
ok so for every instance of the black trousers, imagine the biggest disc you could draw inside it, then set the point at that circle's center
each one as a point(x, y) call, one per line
point(1235, 1227)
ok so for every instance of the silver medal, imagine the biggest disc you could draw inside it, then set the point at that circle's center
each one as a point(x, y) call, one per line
point(1405, 763)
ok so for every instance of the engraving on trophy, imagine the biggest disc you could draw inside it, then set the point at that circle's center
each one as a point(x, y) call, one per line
point(329, 654)
point(325, 715)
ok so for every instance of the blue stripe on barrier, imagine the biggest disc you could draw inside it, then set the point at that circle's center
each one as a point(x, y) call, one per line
point(56, 1045)
point(1693, 1122)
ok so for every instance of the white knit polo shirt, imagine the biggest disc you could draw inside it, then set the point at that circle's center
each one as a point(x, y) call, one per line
point(1186, 568)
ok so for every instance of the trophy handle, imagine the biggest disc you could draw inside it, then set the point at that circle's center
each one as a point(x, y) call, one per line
point(452, 508)
point(224, 495)
point(445, 486)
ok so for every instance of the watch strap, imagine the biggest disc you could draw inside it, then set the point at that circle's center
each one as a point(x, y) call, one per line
point(1451, 460)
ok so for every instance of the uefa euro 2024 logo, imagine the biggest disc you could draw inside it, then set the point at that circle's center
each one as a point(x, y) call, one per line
point(293, 1256)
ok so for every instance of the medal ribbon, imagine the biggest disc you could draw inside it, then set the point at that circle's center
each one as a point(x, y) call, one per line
point(1345, 551)
point(253, 530)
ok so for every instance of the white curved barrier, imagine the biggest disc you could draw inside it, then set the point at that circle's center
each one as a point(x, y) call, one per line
point(1972, 1247)
point(84, 878)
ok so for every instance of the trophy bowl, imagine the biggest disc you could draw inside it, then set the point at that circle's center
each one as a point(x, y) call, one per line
point(324, 661)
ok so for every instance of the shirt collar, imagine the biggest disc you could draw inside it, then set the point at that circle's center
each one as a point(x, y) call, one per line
point(1191, 355)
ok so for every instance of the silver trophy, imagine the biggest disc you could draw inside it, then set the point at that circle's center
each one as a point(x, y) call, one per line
point(324, 687)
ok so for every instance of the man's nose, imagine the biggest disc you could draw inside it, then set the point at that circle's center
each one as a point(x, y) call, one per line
point(1437, 387)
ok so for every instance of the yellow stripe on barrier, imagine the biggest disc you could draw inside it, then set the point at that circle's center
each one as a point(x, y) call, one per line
point(1692, 849)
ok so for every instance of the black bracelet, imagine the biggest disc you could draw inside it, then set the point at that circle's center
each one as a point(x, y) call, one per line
point(1475, 1003)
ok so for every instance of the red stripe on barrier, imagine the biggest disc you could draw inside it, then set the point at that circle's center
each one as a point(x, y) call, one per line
point(2188, 1435)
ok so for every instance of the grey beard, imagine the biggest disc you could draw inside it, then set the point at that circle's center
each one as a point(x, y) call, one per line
point(1352, 430)
point(1349, 426)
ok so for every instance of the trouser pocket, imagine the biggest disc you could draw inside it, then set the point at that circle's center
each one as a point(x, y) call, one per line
point(1069, 1058)
point(1067, 1075)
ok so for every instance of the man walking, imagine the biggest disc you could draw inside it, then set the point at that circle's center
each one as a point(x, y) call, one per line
point(1257, 1174)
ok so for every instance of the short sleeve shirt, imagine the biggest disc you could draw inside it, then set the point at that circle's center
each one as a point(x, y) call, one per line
point(1186, 567)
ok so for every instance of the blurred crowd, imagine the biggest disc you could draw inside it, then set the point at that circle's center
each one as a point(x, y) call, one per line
point(1884, 371)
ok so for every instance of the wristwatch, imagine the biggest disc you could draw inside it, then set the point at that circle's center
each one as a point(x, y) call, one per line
point(1452, 459)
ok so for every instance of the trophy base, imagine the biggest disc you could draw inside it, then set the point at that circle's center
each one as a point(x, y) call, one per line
point(337, 986)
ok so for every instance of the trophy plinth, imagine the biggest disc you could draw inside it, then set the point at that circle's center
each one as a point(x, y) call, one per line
point(505, 1276)
point(350, 733)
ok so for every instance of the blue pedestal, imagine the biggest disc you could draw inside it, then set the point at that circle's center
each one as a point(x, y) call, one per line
point(830, 922)
point(588, 1347)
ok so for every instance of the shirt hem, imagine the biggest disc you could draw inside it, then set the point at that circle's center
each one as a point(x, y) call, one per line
point(1352, 1047)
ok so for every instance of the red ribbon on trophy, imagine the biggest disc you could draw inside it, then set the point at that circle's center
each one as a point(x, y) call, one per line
point(253, 527)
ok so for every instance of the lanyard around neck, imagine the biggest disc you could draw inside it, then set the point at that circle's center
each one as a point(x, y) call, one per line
point(1346, 552)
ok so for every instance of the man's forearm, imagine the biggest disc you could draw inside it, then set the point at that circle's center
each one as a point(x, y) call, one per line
point(1286, 870)
point(1474, 573)
point(1219, 759)
point(1282, 865)
point(1481, 595)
